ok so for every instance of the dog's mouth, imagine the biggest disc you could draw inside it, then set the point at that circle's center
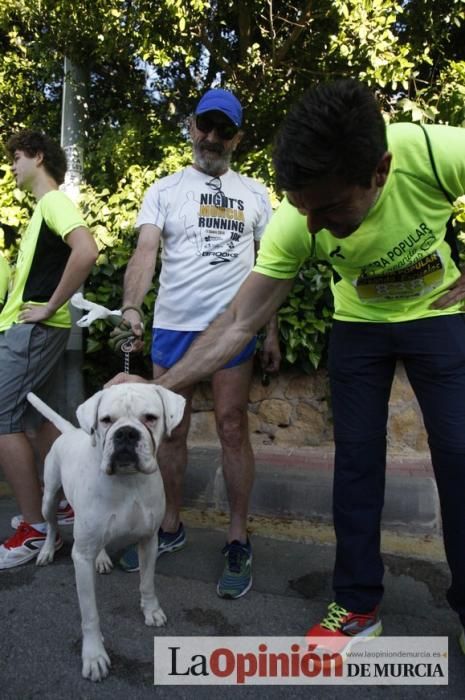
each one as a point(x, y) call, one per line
point(124, 461)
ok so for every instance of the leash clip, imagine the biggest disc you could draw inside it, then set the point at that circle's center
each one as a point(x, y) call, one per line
point(126, 349)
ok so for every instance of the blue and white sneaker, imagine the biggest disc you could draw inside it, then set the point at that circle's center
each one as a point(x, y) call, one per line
point(171, 541)
point(167, 542)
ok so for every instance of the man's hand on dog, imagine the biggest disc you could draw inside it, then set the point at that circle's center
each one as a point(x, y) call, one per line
point(123, 378)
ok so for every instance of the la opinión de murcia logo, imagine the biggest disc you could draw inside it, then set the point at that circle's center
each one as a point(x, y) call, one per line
point(294, 661)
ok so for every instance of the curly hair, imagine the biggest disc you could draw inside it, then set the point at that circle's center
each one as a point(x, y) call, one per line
point(34, 142)
point(335, 130)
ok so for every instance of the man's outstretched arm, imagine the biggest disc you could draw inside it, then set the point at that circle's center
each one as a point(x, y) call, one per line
point(257, 299)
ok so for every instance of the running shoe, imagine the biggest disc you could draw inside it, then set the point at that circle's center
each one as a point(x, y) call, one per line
point(65, 515)
point(129, 560)
point(236, 578)
point(171, 541)
point(23, 546)
point(167, 542)
point(341, 628)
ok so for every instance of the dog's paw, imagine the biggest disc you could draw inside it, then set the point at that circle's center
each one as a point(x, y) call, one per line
point(103, 563)
point(154, 615)
point(45, 556)
point(96, 666)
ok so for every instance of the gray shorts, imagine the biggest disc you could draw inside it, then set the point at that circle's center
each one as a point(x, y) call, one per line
point(29, 354)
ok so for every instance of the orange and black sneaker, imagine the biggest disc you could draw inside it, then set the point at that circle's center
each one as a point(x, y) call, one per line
point(341, 628)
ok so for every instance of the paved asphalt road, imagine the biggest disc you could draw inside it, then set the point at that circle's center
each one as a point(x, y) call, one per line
point(40, 622)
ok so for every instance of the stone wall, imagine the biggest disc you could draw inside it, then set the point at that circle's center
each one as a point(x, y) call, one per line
point(294, 410)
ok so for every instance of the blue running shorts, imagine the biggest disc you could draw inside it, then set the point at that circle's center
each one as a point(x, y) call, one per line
point(169, 346)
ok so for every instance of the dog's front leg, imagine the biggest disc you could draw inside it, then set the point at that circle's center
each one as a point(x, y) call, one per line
point(95, 660)
point(147, 551)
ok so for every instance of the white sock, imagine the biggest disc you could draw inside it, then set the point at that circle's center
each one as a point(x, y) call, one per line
point(41, 527)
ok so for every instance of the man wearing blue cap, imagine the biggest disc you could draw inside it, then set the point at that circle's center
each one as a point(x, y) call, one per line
point(209, 220)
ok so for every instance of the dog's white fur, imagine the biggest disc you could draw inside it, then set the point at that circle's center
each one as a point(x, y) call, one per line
point(109, 473)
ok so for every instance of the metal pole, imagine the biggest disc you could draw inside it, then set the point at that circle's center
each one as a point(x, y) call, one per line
point(72, 131)
point(72, 126)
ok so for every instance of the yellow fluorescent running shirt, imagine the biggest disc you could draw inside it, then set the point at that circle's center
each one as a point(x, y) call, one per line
point(42, 258)
point(397, 263)
point(4, 278)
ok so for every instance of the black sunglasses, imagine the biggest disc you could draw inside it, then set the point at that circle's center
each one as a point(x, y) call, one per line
point(225, 130)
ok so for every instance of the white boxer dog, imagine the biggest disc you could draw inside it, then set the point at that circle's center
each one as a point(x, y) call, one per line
point(109, 473)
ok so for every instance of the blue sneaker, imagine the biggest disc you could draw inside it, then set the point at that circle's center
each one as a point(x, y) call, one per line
point(167, 542)
point(129, 560)
point(171, 541)
point(236, 578)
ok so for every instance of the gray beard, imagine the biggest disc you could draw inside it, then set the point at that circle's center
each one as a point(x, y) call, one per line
point(211, 162)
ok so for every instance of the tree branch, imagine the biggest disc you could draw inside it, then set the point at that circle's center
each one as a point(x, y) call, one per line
point(282, 52)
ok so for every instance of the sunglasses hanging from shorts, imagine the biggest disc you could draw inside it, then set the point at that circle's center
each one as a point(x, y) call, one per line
point(225, 130)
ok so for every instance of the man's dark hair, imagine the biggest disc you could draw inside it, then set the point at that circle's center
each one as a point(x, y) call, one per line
point(335, 130)
point(34, 142)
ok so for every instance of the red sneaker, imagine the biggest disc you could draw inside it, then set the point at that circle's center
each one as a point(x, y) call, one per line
point(23, 546)
point(65, 516)
point(341, 628)
point(65, 513)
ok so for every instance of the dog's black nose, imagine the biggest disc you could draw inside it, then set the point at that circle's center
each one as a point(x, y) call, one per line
point(126, 436)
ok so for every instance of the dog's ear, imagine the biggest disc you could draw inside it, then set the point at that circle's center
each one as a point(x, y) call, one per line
point(173, 405)
point(87, 413)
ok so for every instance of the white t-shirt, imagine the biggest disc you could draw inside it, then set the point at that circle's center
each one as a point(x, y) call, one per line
point(208, 226)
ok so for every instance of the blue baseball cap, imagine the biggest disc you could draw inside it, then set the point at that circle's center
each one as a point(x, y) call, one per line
point(222, 101)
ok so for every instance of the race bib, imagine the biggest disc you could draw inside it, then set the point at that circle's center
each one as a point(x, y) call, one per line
point(416, 280)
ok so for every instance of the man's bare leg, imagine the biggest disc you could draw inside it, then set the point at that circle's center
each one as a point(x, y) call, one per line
point(42, 439)
point(19, 467)
point(231, 394)
point(172, 460)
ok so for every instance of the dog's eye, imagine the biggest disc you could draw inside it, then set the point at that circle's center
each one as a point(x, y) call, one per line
point(106, 420)
point(150, 418)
